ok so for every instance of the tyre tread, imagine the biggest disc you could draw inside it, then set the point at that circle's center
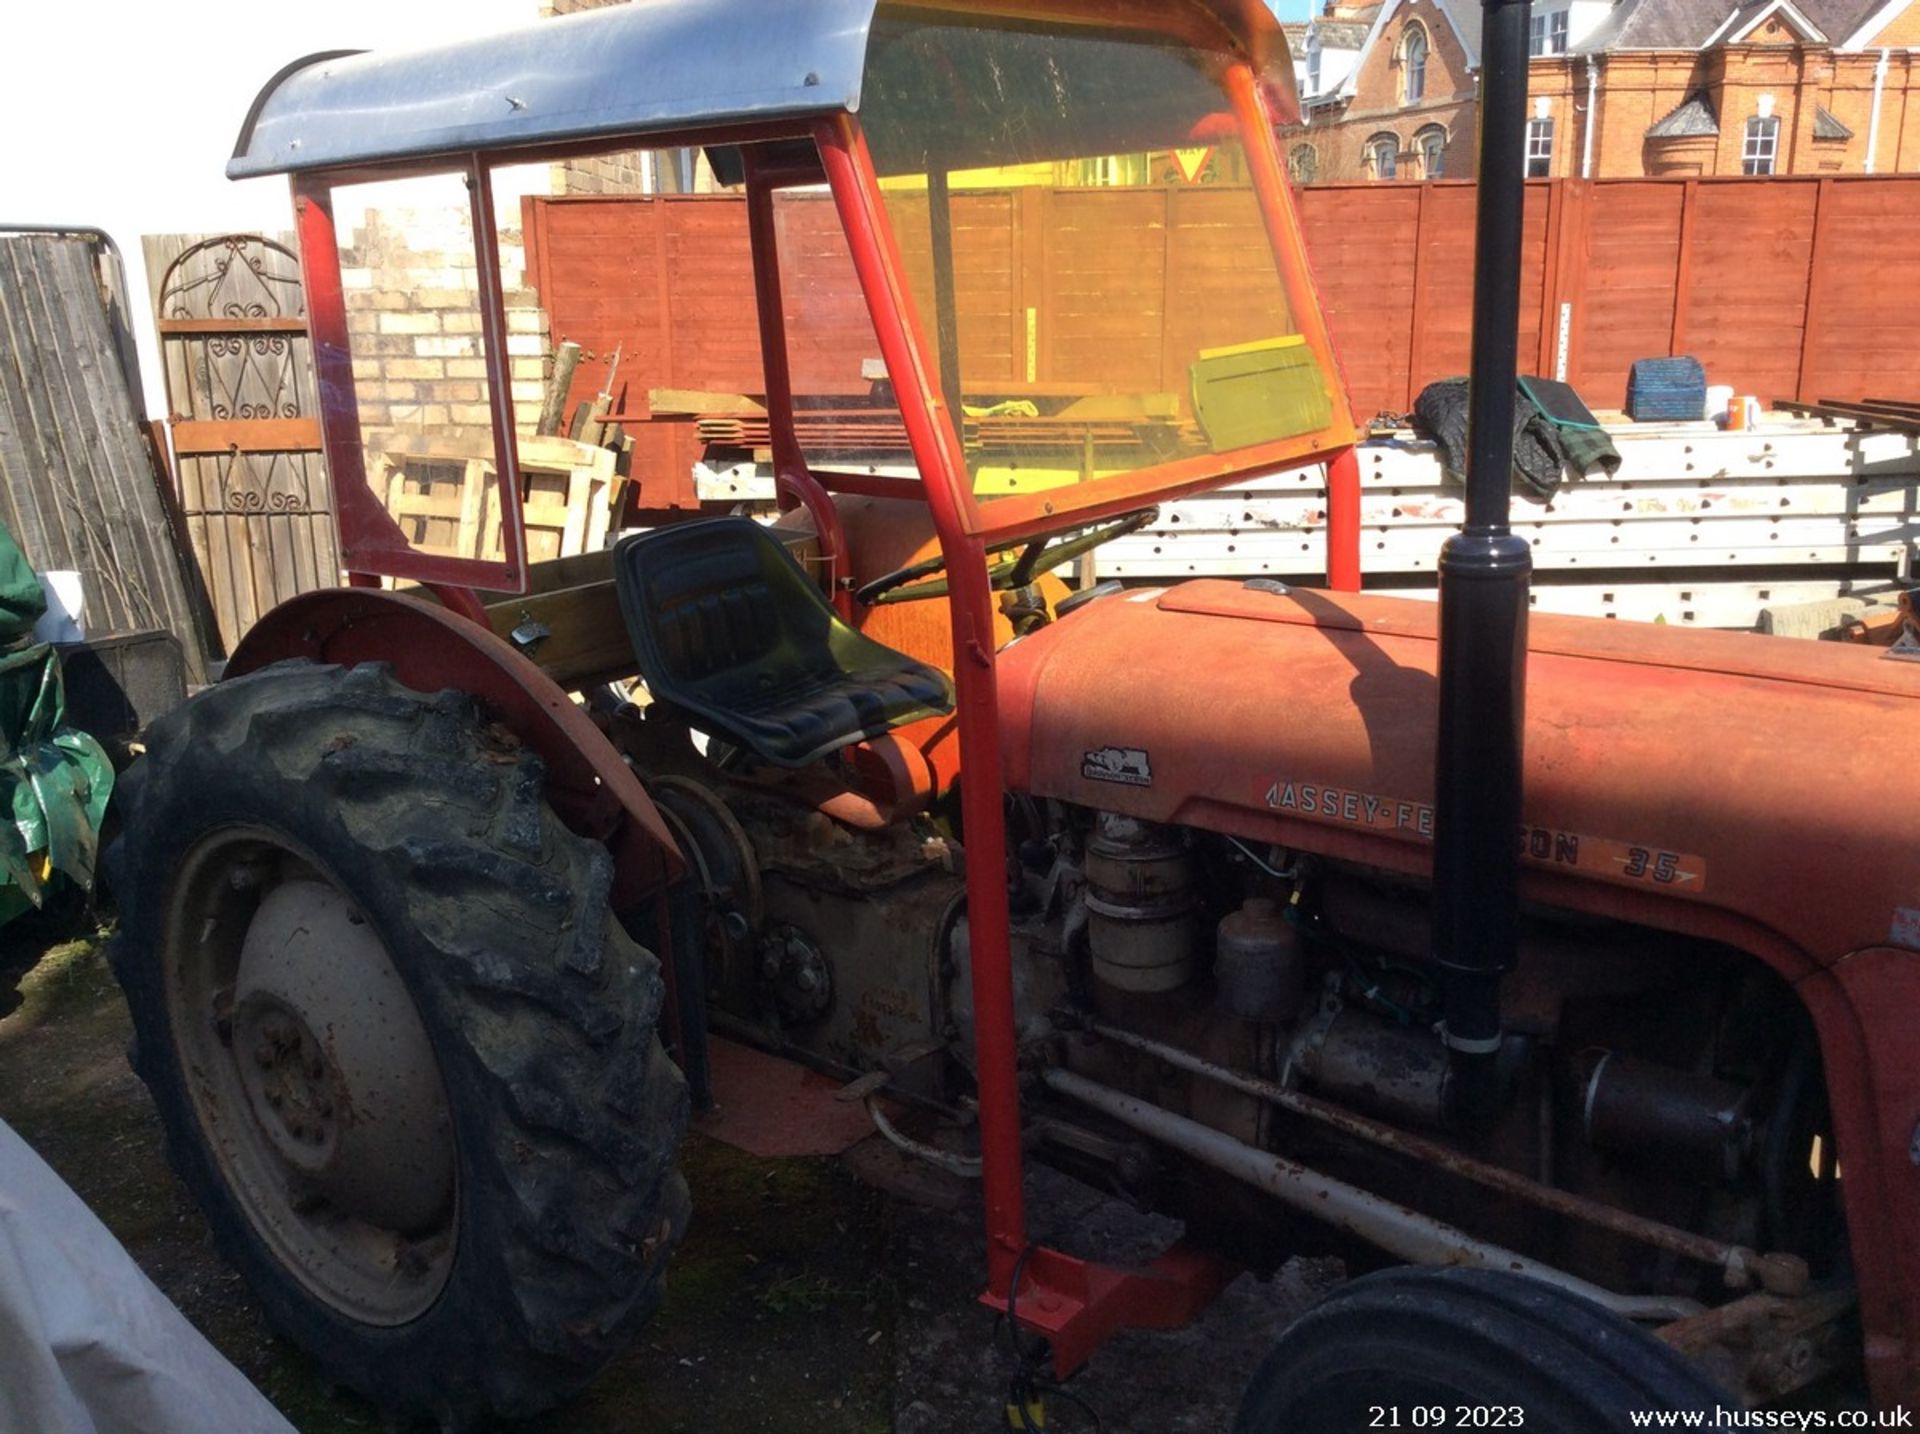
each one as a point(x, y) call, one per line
point(548, 1006)
point(1507, 1326)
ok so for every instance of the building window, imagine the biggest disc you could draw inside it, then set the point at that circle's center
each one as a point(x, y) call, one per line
point(1431, 142)
point(1539, 148)
point(1413, 61)
point(1384, 152)
point(1548, 35)
point(1304, 161)
point(1763, 145)
point(1313, 64)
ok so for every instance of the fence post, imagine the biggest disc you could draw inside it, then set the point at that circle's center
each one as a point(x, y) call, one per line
point(1817, 261)
point(1032, 217)
point(1552, 270)
point(1417, 327)
point(1683, 269)
point(1563, 269)
point(663, 288)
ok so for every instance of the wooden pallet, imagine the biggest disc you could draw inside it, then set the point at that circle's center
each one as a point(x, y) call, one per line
point(445, 495)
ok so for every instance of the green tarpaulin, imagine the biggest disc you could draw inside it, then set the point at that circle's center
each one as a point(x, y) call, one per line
point(54, 780)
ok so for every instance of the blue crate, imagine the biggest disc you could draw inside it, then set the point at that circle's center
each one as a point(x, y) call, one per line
point(1667, 390)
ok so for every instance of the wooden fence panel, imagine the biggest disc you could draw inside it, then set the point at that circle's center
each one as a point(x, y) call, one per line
point(78, 488)
point(1442, 326)
point(666, 284)
point(1538, 308)
point(1751, 254)
point(990, 274)
point(1104, 294)
point(1632, 260)
point(705, 284)
point(1862, 340)
point(1780, 286)
point(986, 261)
point(1363, 243)
point(1222, 287)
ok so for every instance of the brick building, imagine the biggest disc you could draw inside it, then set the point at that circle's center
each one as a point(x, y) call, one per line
point(1397, 105)
point(1625, 88)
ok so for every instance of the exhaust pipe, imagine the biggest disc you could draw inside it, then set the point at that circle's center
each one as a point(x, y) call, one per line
point(1484, 577)
point(1400, 1231)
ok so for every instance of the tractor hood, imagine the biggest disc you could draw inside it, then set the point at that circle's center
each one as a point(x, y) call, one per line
point(1754, 790)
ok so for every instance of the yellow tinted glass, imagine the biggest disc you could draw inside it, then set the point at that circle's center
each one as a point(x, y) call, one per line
point(1085, 247)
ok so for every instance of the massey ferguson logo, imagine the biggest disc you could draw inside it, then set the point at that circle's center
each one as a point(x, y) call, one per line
point(1125, 765)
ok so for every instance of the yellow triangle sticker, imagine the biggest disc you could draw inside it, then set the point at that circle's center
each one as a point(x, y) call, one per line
point(1192, 162)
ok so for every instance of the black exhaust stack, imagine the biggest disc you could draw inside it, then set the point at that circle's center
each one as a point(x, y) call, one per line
point(1484, 573)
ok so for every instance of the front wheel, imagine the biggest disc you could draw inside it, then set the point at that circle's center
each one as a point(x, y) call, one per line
point(404, 1056)
point(1472, 1349)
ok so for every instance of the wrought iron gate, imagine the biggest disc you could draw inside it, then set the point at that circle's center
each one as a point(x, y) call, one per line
point(246, 432)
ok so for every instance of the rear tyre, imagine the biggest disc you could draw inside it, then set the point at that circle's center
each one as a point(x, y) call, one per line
point(1489, 1349)
point(404, 1056)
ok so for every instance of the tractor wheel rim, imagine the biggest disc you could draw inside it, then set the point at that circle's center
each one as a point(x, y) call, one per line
point(311, 1076)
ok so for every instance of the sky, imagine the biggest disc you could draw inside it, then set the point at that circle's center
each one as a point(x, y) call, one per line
point(121, 113)
point(1292, 9)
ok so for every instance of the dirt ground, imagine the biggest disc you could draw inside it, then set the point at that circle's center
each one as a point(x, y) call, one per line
point(802, 1300)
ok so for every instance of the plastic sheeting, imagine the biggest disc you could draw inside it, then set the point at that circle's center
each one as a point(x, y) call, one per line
point(54, 779)
point(88, 1345)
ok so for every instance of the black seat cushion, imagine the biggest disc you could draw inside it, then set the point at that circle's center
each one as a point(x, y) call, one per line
point(729, 628)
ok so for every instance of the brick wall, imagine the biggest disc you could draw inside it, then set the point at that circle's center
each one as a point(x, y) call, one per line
point(621, 173)
point(1639, 89)
point(1851, 100)
point(412, 309)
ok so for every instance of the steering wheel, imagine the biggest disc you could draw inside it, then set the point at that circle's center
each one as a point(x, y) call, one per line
point(1036, 556)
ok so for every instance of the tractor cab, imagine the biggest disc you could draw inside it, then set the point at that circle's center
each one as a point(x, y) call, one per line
point(1005, 184)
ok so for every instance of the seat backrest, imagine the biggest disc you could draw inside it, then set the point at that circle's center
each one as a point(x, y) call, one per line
point(728, 628)
point(721, 606)
point(712, 610)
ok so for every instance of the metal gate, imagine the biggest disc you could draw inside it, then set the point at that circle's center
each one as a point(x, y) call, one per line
point(246, 431)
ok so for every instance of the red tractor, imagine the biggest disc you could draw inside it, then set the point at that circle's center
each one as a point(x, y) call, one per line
point(1247, 899)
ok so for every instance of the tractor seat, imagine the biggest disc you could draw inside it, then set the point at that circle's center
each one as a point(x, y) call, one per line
point(728, 628)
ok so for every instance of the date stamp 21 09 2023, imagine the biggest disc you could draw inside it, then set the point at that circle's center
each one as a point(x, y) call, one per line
point(1447, 1416)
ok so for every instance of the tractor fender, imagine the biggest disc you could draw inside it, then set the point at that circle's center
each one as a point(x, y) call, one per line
point(428, 648)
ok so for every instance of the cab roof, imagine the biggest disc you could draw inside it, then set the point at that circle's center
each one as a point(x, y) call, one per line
point(628, 70)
